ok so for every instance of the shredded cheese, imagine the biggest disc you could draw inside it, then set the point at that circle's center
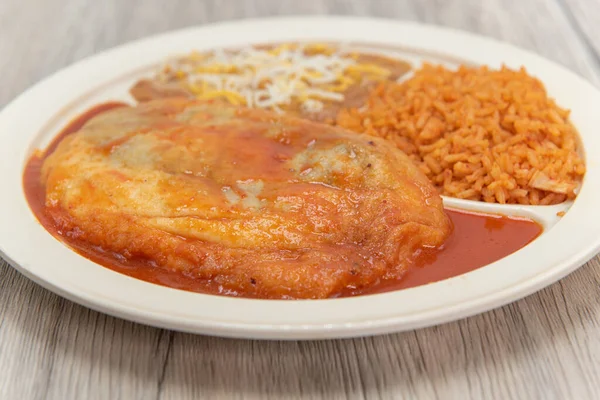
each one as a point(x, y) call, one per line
point(272, 77)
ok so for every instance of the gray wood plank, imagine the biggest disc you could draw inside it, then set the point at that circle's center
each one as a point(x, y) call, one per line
point(584, 16)
point(545, 346)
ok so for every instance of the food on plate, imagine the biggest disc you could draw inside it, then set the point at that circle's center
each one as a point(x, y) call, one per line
point(305, 171)
point(478, 133)
point(251, 202)
point(311, 80)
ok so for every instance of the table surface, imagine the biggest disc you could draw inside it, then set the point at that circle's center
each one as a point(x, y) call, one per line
point(544, 346)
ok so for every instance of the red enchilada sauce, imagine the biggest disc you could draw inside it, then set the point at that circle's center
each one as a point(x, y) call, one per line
point(477, 240)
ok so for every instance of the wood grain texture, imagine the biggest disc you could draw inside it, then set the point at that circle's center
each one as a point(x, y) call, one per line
point(544, 346)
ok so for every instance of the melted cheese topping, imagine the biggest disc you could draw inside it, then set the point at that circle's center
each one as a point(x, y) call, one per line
point(272, 77)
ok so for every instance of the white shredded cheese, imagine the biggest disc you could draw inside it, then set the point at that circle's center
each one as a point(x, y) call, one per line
point(312, 106)
point(265, 78)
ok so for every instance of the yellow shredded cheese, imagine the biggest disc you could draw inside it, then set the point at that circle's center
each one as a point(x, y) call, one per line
point(216, 68)
point(368, 68)
point(272, 77)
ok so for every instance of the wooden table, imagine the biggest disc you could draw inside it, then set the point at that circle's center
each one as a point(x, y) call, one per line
point(545, 346)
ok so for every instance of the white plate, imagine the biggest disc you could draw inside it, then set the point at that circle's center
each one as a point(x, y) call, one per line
point(32, 119)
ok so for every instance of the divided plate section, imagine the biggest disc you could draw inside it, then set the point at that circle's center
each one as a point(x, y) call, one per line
point(546, 216)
